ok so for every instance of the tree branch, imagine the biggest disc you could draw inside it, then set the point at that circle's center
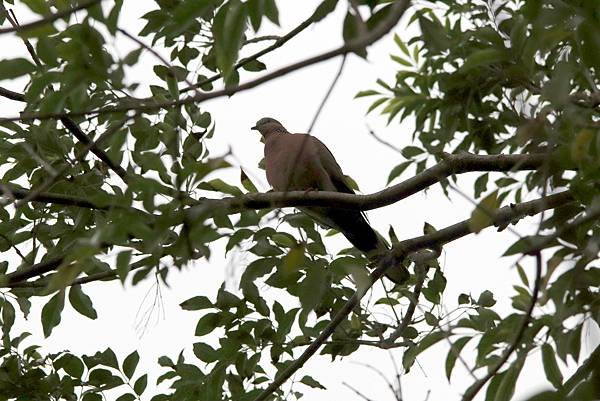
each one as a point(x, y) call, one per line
point(277, 44)
point(50, 18)
point(48, 197)
point(394, 258)
point(452, 164)
point(476, 387)
point(74, 129)
point(351, 46)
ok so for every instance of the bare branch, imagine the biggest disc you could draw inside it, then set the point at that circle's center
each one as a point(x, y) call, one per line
point(320, 108)
point(50, 18)
point(7, 93)
point(396, 256)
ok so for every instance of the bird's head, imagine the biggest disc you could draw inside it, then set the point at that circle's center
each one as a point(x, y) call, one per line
point(268, 125)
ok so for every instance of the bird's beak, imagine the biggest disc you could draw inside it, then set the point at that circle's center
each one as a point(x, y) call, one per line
point(254, 128)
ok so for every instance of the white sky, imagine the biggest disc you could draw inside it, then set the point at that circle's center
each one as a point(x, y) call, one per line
point(470, 265)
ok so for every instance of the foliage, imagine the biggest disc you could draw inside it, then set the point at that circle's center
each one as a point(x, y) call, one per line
point(484, 77)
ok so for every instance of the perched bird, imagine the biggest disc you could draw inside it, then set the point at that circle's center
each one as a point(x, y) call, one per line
point(299, 162)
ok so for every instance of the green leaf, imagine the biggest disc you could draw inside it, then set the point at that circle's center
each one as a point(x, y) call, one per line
point(219, 185)
point(454, 353)
point(397, 171)
point(271, 11)
point(130, 363)
point(506, 388)
point(51, 312)
point(486, 299)
point(411, 353)
point(206, 324)
point(411, 151)
point(140, 384)
point(205, 352)
point(435, 37)
point(313, 287)
point(14, 68)
point(186, 13)
point(481, 217)
point(366, 93)
point(8, 317)
point(127, 397)
point(309, 381)
point(254, 66)
point(553, 373)
point(324, 9)
point(228, 30)
point(484, 57)
point(71, 364)
point(123, 264)
point(196, 303)
point(81, 302)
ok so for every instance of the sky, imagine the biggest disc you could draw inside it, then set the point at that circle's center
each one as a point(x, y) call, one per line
point(132, 317)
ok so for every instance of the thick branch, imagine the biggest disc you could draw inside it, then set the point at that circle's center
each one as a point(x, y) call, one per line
point(361, 42)
point(452, 164)
point(435, 240)
point(50, 18)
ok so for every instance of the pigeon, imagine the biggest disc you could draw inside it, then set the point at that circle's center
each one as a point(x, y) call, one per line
point(301, 162)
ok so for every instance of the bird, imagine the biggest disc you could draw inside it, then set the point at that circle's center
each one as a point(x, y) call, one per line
point(301, 162)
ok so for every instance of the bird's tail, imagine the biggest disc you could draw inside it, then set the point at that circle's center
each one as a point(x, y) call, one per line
point(357, 230)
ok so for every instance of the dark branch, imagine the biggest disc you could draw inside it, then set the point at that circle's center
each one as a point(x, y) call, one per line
point(394, 258)
point(50, 18)
point(74, 129)
point(452, 164)
point(277, 44)
point(93, 147)
point(47, 197)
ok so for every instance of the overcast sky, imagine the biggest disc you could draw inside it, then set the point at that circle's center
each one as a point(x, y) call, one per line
point(471, 264)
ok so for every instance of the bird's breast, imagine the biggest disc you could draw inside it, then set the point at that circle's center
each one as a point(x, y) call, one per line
point(288, 165)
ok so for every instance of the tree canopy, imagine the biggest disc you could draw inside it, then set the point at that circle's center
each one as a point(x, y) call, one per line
point(105, 178)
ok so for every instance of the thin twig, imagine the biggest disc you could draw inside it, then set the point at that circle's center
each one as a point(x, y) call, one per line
point(410, 311)
point(278, 43)
point(262, 39)
point(50, 18)
point(477, 386)
point(383, 141)
point(335, 80)
point(358, 393)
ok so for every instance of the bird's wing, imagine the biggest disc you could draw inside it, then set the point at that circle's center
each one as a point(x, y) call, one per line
point(332, 167)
